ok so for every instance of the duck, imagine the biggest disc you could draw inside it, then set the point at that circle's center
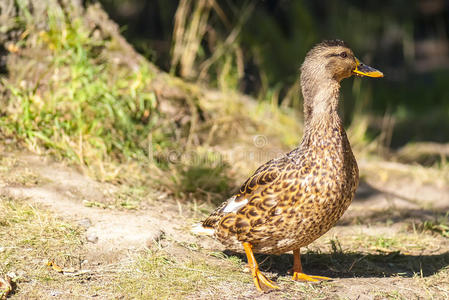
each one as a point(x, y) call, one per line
point(290, 201)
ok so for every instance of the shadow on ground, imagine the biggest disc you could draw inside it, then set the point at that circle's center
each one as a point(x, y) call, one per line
point(352, 264)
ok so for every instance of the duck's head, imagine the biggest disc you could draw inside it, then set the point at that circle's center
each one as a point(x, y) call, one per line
point(334, 59)
point(325, 66)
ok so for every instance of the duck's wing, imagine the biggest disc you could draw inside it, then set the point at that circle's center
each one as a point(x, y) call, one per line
point(263, 177)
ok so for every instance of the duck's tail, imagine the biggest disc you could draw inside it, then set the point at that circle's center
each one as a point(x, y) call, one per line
point(199, 229)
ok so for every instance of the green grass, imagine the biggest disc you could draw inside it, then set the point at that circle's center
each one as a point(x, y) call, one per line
point(11, 174)
point(37, 231)
point(83, 107)
point(159, 275)
point(201, 175)
point(439, 225)
point(35, 237)
point(390, 295)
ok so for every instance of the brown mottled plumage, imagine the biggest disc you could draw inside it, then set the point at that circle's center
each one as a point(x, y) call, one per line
point(291, 201)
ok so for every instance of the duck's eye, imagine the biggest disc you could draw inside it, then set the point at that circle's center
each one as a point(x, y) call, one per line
point(343, 55)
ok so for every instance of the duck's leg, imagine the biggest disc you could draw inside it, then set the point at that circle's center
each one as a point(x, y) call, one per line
point(259, 279)
point(297, 270)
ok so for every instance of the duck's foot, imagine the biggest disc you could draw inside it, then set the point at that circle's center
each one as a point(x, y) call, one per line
point(260, 281)
point(298, 276)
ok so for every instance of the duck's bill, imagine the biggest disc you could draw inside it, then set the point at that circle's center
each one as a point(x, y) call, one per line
point(364, 70)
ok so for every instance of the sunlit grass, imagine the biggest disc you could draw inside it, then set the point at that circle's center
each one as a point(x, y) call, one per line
point(159, 275)
point(85, 108)
point(38, 233)
point(35, 237)
point(439, 225)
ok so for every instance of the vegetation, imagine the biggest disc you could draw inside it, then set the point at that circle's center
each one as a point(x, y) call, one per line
point(87, 103)
point(39, 238)
point(179, 278)
point(80, 102)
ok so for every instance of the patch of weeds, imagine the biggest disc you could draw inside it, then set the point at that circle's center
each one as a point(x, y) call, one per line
point(205, 175)
point(159, 275)
point(378, 243)
point(25, 177)
point(6, 164)
point(384, 242)
point(390, 295)
point(12, 173)
point(96, 204)
point(218, 254)
point(126, 197)
point(211, 179)
point(233, 259)
point(190, 246)
point(129, 197)
point(85, 108)
point(335, 246)
point(33, 238)
point(439, 226)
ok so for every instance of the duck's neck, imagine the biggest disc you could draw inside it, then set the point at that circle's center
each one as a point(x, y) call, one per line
point(321, 107)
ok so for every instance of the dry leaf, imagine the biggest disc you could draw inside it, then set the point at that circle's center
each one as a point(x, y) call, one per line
point(5, 286)
point(55, 266)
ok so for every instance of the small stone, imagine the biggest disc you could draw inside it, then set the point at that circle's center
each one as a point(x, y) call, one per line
point(155, 237)
point(92, 237)
point(21, 273)
point(158, 236)
point(85, 223)
point(55, 293)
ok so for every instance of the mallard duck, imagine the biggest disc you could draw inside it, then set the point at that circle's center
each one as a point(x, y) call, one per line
point(291, 201)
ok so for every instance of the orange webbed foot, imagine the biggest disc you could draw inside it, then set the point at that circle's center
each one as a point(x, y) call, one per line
point(260, 281)
point(298, 276)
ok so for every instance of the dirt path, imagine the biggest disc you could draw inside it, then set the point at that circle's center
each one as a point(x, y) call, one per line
point(74, 197)
point(373, 252)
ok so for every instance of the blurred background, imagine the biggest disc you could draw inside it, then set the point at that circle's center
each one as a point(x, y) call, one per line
point(257, 46)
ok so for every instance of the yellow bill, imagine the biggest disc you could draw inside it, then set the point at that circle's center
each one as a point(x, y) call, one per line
point(364, 70)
